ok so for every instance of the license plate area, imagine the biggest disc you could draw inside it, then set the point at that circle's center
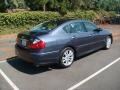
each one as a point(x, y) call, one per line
point(23, 42)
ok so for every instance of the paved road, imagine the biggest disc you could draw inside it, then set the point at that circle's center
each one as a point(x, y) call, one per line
point(108, 80)
point(26, 77)
point(7, 48)
point(4, 85)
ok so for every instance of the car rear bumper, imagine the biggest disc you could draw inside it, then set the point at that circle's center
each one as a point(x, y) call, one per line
point(37, 58)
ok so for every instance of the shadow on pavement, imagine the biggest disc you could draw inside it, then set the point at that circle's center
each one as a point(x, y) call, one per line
point(28, 68)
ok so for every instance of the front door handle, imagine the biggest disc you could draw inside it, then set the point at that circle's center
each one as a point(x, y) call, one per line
point(90, 35)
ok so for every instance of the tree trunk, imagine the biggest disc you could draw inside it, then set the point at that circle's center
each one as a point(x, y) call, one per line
point(44, 7)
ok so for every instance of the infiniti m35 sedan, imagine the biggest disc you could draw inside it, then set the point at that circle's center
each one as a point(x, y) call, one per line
point(61, 41)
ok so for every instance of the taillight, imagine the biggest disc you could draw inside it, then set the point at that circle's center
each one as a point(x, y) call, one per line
point(37, 45)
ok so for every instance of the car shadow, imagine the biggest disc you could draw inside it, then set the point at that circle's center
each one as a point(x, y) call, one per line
point(28, 68)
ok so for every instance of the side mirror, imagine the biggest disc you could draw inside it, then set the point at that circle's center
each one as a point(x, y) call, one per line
point(98, 30)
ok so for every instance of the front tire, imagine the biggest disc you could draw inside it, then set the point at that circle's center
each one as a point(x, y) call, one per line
point(67, 57)
point(108, 42)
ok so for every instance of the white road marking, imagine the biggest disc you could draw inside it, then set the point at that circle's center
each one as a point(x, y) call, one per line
point(8, 80)
point(93, 75)
point(3, 61)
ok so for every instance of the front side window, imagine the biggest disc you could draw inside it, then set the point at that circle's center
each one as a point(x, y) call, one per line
point(90, 26)
point(74, 27)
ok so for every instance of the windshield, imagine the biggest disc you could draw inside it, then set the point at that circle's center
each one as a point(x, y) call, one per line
point(45, 27)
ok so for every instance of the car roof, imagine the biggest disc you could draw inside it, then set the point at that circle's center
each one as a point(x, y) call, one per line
point(61, 21)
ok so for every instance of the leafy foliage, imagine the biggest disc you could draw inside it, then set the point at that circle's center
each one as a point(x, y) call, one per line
point(23, 18)
point(62, 5)
point(35, 17)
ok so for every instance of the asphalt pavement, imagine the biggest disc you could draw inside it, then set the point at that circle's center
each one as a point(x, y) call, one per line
point(3, 84)
point(108, 80)
point(27, 77)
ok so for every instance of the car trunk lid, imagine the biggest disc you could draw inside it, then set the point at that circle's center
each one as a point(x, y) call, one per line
point(24, 38)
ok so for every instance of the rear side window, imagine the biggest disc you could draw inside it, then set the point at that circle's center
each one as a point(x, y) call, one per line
point(90, 26)
point(46, 26)
point(74, 27)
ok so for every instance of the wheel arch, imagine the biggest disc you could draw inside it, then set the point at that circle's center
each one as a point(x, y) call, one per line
point(111, 37)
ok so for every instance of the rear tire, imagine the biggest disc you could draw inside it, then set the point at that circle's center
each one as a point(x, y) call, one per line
point(67, 57)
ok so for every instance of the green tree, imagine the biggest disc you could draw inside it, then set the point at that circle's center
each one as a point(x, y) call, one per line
point(77, 4)
point(37, 4)
point(43, 3)
point(54, 4)
point(2, 6)
point(62, 5)
point(21, 4)
point(110, 5)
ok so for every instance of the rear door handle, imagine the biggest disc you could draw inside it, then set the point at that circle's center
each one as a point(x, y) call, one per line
point(73, 37)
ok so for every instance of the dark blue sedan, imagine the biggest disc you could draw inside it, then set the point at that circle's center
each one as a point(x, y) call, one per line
point(61, 41)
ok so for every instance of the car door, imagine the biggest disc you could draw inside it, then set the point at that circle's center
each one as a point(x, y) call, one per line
point(80, 37)
point(95, 37)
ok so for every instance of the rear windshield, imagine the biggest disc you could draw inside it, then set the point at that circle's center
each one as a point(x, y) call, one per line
point(45, 27)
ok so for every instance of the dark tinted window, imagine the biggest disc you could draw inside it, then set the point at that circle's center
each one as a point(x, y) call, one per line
point(90, 26)
point(49, 25)
point(74, 27)
point(45, 27)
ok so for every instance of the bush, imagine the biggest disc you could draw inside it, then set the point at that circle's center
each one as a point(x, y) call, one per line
point(23, 18)
point(89, 15)
point(35, 17)
point(103, 13)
